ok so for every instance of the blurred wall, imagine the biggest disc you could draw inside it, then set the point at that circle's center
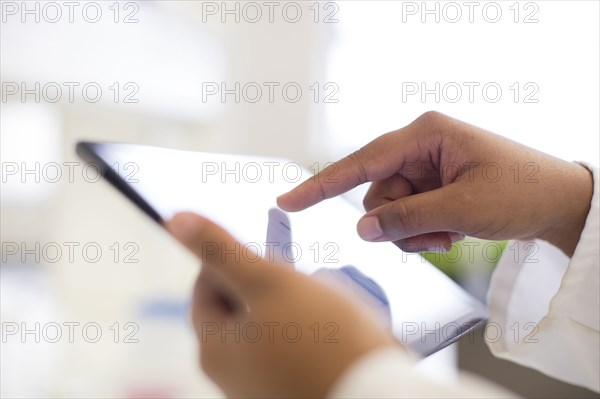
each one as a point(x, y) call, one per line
point(168, 58)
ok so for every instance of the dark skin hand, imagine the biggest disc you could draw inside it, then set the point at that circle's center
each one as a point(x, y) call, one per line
point(439, 179)
point(257, 298)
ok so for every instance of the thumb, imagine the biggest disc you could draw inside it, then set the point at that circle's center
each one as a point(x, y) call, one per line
point(215, 246)
point(433, 211)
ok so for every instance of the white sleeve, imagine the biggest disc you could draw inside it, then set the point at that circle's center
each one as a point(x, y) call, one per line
point(390, 373)
point(544, 308)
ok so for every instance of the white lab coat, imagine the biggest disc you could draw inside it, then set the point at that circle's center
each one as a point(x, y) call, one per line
point(544, 313)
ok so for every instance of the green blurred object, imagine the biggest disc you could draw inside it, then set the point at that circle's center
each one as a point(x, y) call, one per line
point(465, 254)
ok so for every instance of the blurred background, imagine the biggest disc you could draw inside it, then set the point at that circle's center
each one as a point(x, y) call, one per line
point(308, 81)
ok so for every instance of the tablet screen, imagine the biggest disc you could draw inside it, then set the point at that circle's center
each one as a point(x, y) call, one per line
point(425, 309)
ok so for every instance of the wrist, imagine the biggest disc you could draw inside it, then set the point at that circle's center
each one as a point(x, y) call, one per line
point(572, 210)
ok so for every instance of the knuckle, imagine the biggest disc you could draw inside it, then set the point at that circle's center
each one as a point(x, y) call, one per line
point(430, 117)
point(434, 122)
point(467, 198)
point(357, 159)
point(402, 216)
point(408, 218)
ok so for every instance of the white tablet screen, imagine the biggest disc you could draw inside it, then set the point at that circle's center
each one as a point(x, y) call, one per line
point(427, 310)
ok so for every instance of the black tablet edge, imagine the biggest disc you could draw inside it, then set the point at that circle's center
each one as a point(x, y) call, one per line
point(87, 152)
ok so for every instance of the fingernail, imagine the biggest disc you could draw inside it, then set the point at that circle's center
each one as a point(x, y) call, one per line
point(456, 236)
point(369, 228)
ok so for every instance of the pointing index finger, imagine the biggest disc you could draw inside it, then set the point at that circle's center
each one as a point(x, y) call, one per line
point(366, 164)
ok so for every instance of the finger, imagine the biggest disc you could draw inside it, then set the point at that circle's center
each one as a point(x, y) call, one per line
point(387, 190)
point(429, 242)
point(377, 160)
point(433, 211)
point(216, 247)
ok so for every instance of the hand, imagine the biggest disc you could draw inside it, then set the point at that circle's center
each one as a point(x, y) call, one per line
point(265, 330)
point(439, 179)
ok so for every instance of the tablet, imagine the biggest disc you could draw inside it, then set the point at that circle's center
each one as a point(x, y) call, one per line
point(425, 309)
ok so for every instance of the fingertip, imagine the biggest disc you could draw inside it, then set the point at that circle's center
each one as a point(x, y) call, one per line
point(202, 236)
point(282, 202)
point(184, 226)
point(288, 202)
point(369, 228)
